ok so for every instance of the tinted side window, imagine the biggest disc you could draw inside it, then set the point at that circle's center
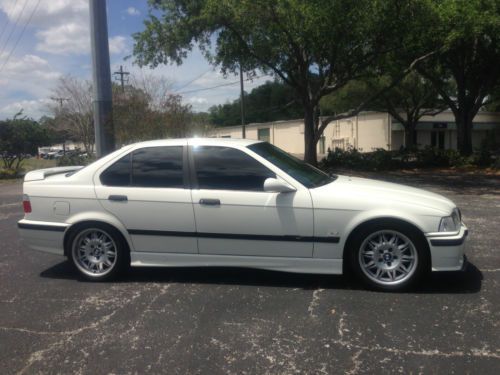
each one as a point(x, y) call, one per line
point(226, 168)
point(158, 167)
point(118, 174)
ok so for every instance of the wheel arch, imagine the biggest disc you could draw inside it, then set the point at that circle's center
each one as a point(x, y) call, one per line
point(96, 218)
point(389, 220)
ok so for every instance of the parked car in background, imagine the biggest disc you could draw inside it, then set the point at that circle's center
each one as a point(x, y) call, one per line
point(227, 202)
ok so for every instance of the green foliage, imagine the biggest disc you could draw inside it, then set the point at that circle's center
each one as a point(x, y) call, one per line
point(271, 101)
point(380, 159)
point(316, 47)
point(18, 138)
point(8, 174)
point(353, 159)
point(464, 37)
point(71, 159)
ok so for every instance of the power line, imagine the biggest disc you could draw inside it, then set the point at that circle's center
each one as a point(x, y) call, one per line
point(222, 85)
point(14, 27)
point(7, 21)
point(20, 35)
point(193, 80)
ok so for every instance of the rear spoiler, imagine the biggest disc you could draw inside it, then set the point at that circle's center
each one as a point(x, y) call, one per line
point(42, 174)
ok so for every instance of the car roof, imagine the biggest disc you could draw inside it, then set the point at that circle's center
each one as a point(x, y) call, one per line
point(235, 142)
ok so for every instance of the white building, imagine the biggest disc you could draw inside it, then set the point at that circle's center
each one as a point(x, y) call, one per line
point(367, 131)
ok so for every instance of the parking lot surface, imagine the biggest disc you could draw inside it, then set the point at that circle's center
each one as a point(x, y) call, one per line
point(238, 321)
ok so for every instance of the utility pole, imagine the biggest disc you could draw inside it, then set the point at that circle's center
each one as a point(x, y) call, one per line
point(122, 78)
point(60, 101)
point(103, 115)
point(242, 104)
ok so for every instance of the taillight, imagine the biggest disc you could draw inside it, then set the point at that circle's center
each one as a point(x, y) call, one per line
point(26, 204)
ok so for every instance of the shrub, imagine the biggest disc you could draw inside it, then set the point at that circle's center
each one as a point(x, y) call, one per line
point(351, 158)
point(425, 158)
point(74, 159)
point(6, 173)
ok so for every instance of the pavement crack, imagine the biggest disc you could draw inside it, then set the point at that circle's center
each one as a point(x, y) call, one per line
point(356, 363)
point(342, 327)
point(473, 352)
point(314, 303)
point(490, 270)
point(68, 336)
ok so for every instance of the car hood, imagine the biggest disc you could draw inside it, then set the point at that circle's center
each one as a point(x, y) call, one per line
point(364, 193)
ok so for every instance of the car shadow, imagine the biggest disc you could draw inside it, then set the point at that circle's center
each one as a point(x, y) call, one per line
point(467, 281)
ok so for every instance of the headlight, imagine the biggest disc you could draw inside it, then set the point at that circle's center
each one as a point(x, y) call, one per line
point(450, 223)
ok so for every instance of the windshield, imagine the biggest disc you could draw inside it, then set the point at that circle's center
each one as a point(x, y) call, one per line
point(306, 174)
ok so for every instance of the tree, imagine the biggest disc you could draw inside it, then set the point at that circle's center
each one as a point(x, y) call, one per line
point(316, 47)
point(408, 101)
point(74, 115)
point(466, 35)
point(145, 109)
point(269, 102)
point(18, 139)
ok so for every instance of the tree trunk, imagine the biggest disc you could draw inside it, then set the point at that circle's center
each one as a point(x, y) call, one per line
point(464, 133)
point(409, 135)
point(309, 139)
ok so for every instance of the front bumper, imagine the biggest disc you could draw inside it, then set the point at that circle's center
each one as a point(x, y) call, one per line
point(448, 251)
point(43, 236)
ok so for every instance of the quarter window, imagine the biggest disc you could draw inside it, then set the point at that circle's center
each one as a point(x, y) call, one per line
point(118, 174)
point(147, 167)
point(225, 168)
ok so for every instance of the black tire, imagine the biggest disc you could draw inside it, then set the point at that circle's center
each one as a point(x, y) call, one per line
point(89, 265)
point(410, 264)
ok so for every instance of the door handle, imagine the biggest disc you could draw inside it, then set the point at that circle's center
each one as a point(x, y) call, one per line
point(210, 202)
point(118, 198)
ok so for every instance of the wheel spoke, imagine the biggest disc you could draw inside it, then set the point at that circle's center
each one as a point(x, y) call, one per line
point(387, 257)
point(94, 252)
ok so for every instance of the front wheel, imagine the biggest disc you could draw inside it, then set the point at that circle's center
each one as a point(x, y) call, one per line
point(98, 252)
point(389, 257)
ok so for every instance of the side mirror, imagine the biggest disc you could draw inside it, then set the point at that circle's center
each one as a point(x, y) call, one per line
point(273, 185)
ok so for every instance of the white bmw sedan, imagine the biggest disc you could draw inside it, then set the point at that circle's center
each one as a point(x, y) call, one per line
point(237, 203)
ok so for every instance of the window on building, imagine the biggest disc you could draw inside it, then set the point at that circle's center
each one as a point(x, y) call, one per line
point(264, 135)
point(322, 145)
point(147, 167)
point(437, 139)
point(225, 168)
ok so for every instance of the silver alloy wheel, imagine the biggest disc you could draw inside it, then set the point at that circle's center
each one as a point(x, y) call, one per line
point(94, 252)
point(388, 257)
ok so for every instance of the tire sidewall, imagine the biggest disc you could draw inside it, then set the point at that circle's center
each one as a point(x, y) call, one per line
point(122, 253)
point(421, 248)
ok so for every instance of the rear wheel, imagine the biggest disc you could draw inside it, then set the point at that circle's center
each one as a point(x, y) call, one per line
point(98, 252)
point(389, 257)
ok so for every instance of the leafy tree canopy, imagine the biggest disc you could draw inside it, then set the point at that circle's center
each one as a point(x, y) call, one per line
point(269, 102)
point(316, 47)
point(19, 137)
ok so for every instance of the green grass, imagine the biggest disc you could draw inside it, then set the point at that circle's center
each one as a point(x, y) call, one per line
point(27, 165)
point(34, 163)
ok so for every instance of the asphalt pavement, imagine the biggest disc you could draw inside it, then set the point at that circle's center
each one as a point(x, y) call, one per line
point(238, 321)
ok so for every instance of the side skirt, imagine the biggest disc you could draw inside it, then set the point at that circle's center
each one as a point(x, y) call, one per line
point(297, 265)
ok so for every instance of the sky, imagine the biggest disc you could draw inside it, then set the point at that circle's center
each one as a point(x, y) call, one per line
point(42, 40)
